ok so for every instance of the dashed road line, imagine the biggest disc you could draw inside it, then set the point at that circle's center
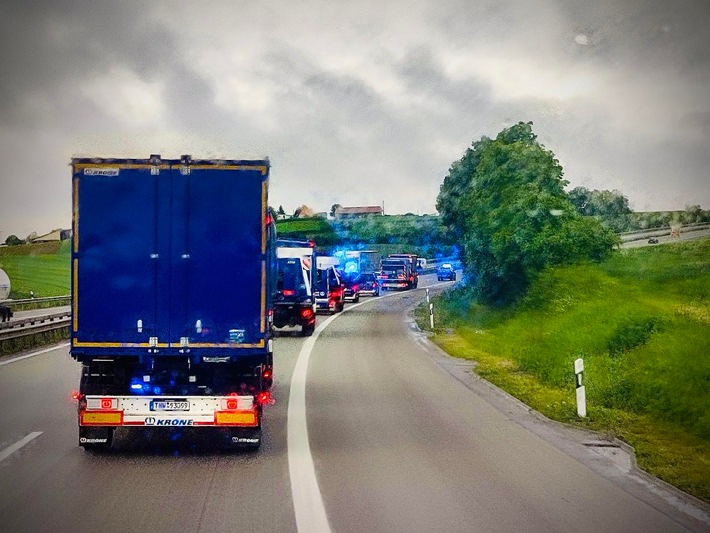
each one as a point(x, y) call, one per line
point(7, 452)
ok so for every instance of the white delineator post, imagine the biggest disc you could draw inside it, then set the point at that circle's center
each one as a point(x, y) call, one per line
point(581, 397)
point(427, 296)
point(431, 315)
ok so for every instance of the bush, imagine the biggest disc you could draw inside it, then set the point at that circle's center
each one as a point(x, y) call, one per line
point(633, 333)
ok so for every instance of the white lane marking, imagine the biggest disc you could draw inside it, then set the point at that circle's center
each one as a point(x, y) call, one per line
point(7, 452)
point(307, 499)
point(16, 359)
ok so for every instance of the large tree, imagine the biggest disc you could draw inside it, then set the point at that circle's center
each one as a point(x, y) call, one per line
point(505, 200)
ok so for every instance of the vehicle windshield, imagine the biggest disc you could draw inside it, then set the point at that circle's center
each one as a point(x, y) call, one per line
point(290, 276)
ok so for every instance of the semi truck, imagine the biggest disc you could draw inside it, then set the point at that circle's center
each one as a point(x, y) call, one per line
point(361, 261)
point(396, 274)
point(399, 271)
point(171, 293)
point(294, 299)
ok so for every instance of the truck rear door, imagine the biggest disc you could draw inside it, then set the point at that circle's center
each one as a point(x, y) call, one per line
point(169, 253)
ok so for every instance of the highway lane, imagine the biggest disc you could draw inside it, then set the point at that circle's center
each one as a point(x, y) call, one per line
point(399, 445)
point(144, 484)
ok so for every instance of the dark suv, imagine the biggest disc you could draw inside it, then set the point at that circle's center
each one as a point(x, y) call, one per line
point(352, 286)
point(369, 284)
point(294, 300)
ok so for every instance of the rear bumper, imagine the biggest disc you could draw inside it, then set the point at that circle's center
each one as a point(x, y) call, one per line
point(290, 314)
point(207, 411)
point(395, 284)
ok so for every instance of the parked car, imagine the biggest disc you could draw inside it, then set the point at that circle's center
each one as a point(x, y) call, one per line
point(446, 272)
point(369, 284)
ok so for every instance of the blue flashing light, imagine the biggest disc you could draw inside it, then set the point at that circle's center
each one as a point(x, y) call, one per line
point(137, 386)
point(157, 390)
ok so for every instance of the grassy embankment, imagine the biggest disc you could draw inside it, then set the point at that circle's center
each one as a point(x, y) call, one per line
point(42, 268)
point(640, 321)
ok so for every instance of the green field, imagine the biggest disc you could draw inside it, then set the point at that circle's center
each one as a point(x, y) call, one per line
point(42, 268)
point(640, 321)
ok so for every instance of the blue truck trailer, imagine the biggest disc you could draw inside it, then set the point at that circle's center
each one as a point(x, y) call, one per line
point(171, 293)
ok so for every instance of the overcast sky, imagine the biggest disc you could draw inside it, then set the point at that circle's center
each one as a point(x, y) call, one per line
point(356, 103)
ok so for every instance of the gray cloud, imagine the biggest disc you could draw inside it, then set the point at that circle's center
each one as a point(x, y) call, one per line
point(354, 103)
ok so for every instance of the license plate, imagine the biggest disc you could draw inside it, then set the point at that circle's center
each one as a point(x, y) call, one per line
point(169, 405)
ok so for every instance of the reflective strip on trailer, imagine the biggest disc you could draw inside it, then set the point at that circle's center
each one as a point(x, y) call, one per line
point(100, 418)
point(185, 411)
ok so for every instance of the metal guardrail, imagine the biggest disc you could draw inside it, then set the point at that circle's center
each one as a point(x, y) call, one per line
point(659, 232)
point(16, 333)
point(25, 301)
point(33, 325)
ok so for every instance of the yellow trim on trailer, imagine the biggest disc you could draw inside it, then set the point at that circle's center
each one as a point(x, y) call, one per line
point(75, 213)
point(75, 297)
point(259, 344)
point(259, 168)
point(264, 215)
point(120, 166)
point(80, 344)
point(263, 296)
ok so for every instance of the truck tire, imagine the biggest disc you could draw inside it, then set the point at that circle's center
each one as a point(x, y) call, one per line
point(307, 331)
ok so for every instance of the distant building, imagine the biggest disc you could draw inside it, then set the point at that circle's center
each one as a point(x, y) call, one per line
point(304, 212)
point(352, 212)
point(53, 236)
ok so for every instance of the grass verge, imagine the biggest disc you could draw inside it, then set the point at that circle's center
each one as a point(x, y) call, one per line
point(41, 268)
point(640, 321)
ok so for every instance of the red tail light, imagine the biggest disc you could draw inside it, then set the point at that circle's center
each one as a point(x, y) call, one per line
point(307, 312)
point(268, 220)
point(76, 395)
point(267, 373)
point(263, 398)
point(289, 292)
point(356, 287)
point(232, 404)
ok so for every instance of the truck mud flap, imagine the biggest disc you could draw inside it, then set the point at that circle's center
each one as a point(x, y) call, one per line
point(244, 438)
point(95, 438)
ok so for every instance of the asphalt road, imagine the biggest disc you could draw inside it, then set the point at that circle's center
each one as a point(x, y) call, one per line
point(667, 239)
point(397, 441)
